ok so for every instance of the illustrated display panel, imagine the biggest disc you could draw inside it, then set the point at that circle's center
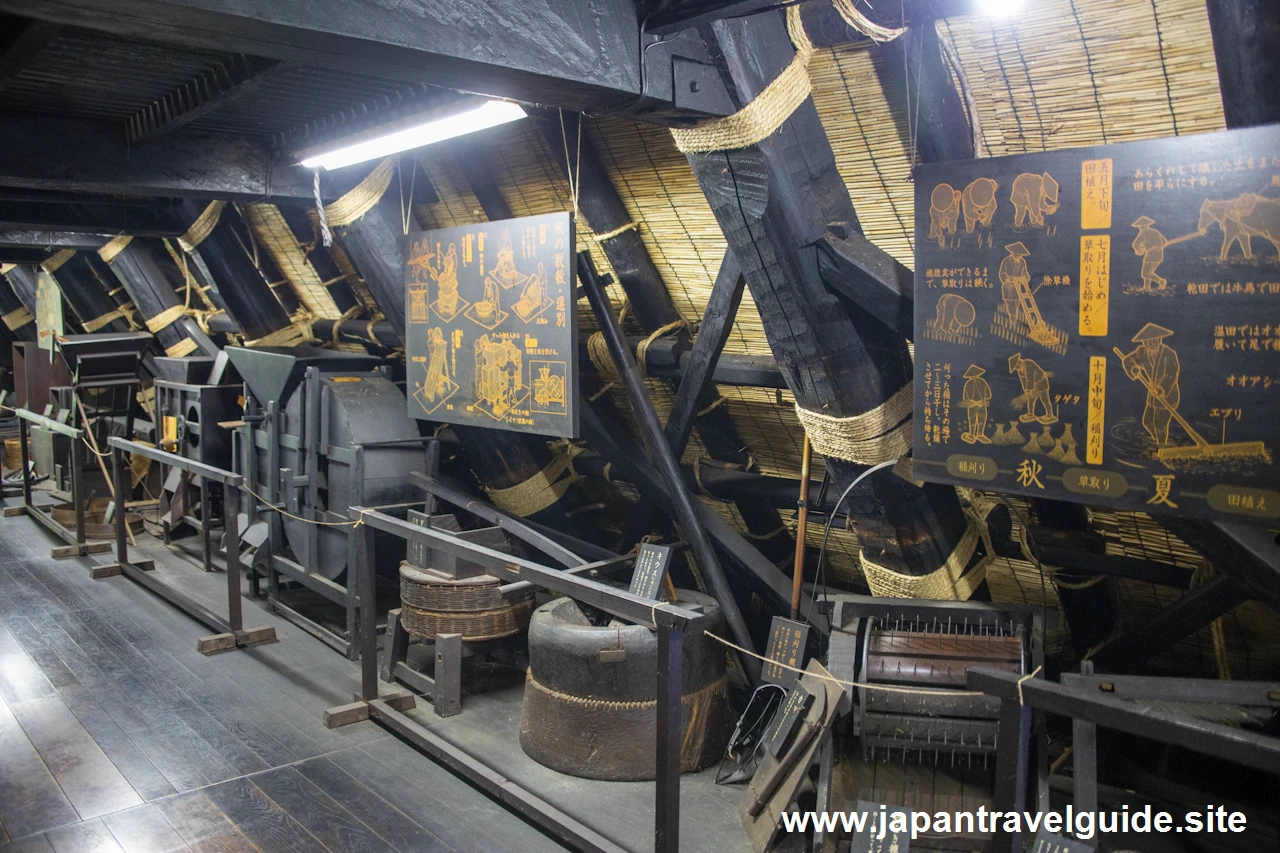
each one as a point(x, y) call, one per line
point(1102, 325)
point(492, 334)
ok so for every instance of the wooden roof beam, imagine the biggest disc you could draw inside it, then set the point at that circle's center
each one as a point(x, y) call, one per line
point(222, 82)
point(74, 155)
point(1246, 45)
point(21, 40)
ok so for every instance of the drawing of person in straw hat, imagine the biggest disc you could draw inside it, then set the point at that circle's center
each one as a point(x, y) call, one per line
point(1155, 362)
point(976, 397)
point(1149, 245)
point(1013, 272)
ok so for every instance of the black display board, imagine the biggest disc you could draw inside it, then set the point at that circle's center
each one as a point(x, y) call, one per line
point(786, 646)
point(492, 334)
point(1102, 325)
point(651, 567)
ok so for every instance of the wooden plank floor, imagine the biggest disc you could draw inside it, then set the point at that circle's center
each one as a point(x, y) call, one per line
point(117, 735)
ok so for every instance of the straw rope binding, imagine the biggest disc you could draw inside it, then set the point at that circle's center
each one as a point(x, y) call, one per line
point(184, 347)
point(114, 247)
point(542, 489)
point(766, 112)
point(948, 582)
point(165, 318)
point(52, 263)
point(17, 318)
point(361, 199)
point(875, 436)
point(202, 227)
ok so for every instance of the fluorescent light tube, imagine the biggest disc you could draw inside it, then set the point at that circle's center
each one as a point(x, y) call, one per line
point(488, 114)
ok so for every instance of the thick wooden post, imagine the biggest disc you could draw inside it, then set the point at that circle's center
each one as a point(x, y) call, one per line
point(23, 329)
point(85, 295)
point(605, 213)
point(774, 202)
point(1246, 36)
point(249, 301)
point(151, 293)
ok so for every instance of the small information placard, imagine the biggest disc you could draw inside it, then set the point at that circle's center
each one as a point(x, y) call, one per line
point(879, 835)
point(786, 646)
point(651, 568)
point(787, 720)
point(1049, 842)
point(417, 555)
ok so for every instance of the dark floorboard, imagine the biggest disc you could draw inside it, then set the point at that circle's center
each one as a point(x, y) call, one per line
point(116, 734)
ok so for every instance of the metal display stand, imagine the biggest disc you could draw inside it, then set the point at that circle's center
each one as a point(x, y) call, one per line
point(671, 622)
point(1080, 698)
point(76, 545)
point(231, 631)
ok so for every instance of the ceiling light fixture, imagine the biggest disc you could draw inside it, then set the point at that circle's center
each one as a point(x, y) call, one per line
point(999, 8)
point(489, 113)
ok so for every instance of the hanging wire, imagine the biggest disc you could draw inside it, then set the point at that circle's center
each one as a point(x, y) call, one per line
point(326, 235)
point(406, 208)
point(574, 171)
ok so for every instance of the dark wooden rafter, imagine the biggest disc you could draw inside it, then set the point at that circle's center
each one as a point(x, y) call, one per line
point(1193, 611)
point(935, 120)
point(84, 294)
point(240, 285)
point(21, 255)
point(21, 41)
point(558, 51)
point(1246, 35)
point(774, 203)
point(9, 302)
point(26, 210)
point(317, 255)
point(662, 16)
point(652, 306)
point(151, 293)
point(225, 80)
point(698, 379)
point(51, 239)
point(263, 260)
point(23, 279)
point(93, 157)
point(685, 516)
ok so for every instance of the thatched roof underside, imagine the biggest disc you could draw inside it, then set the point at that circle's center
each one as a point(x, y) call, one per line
point(1066, 73)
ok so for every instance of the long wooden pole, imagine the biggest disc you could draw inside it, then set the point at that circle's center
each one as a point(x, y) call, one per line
point(102, 466)
point(802, 522)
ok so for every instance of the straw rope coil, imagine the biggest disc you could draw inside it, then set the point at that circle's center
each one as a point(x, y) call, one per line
point(17, 318)
point(865, 25)
point(875, 436)
point(948, 582)
point(202, 227)
point(114, 247)
point(361, 199)
point(54, 262)
point(767, 111)
point(542, 489)
point(602, 358)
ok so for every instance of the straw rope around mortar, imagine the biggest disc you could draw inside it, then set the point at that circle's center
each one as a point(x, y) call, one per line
point(869, 438)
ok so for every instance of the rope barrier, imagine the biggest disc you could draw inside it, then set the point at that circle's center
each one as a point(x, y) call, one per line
point(869, 438)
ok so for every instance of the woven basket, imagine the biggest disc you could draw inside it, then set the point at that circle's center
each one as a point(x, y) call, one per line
point(12, 454)
point(431, 590)
point(474, 626)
